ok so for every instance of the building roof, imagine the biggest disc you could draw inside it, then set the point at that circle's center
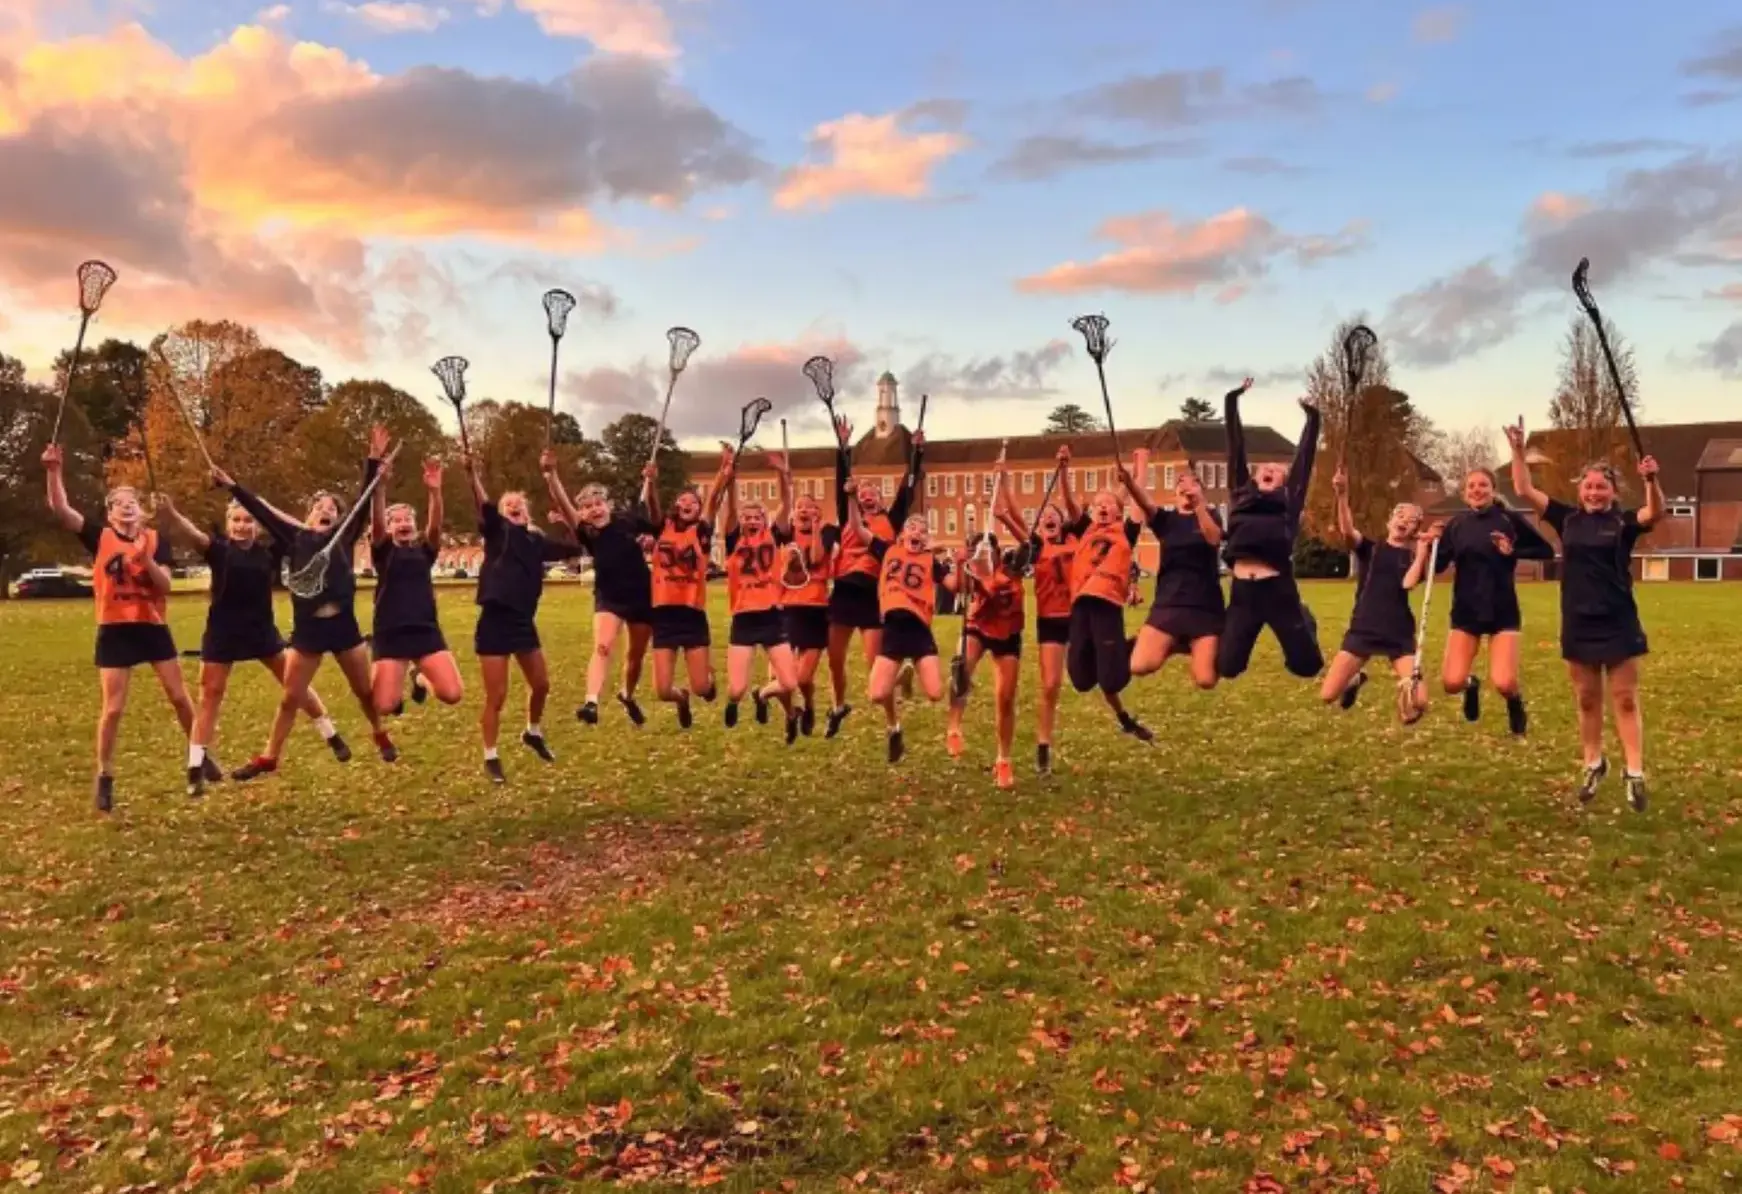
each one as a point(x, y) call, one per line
point(1720, 455)
point(888, 379)
point(1679, 447)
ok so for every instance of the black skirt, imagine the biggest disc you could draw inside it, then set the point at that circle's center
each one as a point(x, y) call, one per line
point(906, 638)
point(1370, 646)
point(129, 644)
point(310, 635)
point(679, 628)
point(1603, 646)
point(807, 627)
point(761, 628)
point(1185, 625)
point(854, 604)
point(502, 631)
point(637, 613)
point(240, 644)
point(408, 645)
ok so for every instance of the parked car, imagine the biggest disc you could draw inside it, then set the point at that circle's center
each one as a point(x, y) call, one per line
point(52, 582)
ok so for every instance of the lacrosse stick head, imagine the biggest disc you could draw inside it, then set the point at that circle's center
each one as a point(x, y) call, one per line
point(308, 581)
point(1093, 329)
point(959, 680)
point(451, 372)
point(795, 573)
point(683, 342)
point(821, 371)
point(95, 278)
point(557, 305)
point(750, 418)
point(1582, 287)
point(1358, 347)
point(1408, 711)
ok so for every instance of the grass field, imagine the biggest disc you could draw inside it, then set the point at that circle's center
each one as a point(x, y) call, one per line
point(1287, 949)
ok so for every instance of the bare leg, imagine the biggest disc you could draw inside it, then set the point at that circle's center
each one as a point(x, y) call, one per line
point(605, 628)
point(640, 635)
point(738, 664)
point(1503, 662)
point(175, 687)
point(388, 683)
point(1052, 680)
point(699, 662)
point(442, 673)
point(664, 668)
point(1340, 675)
point(840, 638)
point(959, 705)
point(881, 687)
point(1152, 650)
point(1588, 692)
point(214, 681)
point(931, 678)
point(312, 704)
point(785, 669)
point(1460, 660)
point(495, 671)
point(355, 664)
point(115, 681)
point(1006, 675)
point(299, 673)
point(1204, 673)
point(537, 673)
point(1629, 722)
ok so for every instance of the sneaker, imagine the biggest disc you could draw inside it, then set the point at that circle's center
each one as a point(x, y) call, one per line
point(103, 793)
point(731, 714)
point(384, 744)
point(196, 782)
point(589, 713)
point(419, 691)
point(792, 729)
point(953, 743)
point(398, 710)
point(1594, 773)
point(807, 720)
point(1130, 725)
point(1472, 699)
point(836, 717)
point(341, 750)
point(1003, 774)
point(493, 768)
point(209, 768)
point(684, 717)
point(1517, 720)
point(632, 709)
point(1636, 795)
point(897, 746)
point(761, 703)
point(712, 692)
point(1043, 758)
point(1347, 700)
point(258, 765)
point(536, 744)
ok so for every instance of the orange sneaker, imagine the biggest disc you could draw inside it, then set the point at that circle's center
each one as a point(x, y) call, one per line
point(1003, 774)
point(953, 743)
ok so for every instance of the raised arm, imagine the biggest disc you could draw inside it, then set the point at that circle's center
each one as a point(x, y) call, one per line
point(1300, 473)
point(480, 495)
point(1134, 489)
point(843, 468)
point(725, 484)
point(650, 495)
point(378, 506)
point(1345, 516)
point(1521, 480)
point(1654, 503)
point(280, 526)
point(170, 520)
point(1239, 472)
point(1069, 499)
point(432, 483)
point(1423, 548)
point(855, 516)
point(559, 497)
point(53, 461)
point(728, 500)
point(1208, 527)
point(783, 469)
point(910, 483)
point(1005, 511)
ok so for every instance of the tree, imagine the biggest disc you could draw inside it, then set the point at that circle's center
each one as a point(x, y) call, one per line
point(27, 533)
point(1586, 411)
point(1197, 410)
point(331, 444)
point(566, 429)
point(1456, 454)
point(111, 387)
point(626, 445)
point(1070, 419)
point(507, 440)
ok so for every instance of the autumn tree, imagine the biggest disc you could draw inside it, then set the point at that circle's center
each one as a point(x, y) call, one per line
point(1199, 410)
point(1070, 419)
point(28, 534)
point(1586, 410)
point(1456, 454)
point(507, 441)
point(111, 386)
point(333, 442)
point(625, 446)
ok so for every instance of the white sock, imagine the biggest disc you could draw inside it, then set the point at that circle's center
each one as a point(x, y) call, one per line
point(196, 755)
point(489, 753)
point(896, 728)
point(325, 728)
point(536, 730)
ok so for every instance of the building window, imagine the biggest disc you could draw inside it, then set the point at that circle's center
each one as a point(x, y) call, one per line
point(1027, 482)
point(1167, 477)
point(1709, 568)
point(1028, 516)
point(1654, 568)
point(931, 486)
point(743, 491)
point(1681, 511)
point(986, 484)
point(888, 488)
point(931, 521)
point(949, 520)
point(949, 485)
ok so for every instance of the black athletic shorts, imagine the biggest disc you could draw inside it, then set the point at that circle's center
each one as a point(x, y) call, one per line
point(807, 627)
point(310, 635)
point(854, 604)
point(638, 613)
point(906, 638)
point(129, 644)
point(998, 648)
point(763, 628)
point(409, 645)
point(1488, 627)
point(1374, 646)
point(679, 628)
point(240, 644)
point(1053, 630)
point(503, 631)
point(1603, 648)
point(1185, 625)
point(1098, 655)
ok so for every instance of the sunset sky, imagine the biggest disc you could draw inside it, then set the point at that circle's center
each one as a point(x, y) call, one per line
point(930, 188)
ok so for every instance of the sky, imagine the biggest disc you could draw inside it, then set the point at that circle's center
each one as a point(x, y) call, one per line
point(933, 189)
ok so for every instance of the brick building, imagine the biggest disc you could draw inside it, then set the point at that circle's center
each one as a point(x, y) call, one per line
point(957, 492)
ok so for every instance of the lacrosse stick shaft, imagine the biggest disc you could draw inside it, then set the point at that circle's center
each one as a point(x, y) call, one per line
point(659, 432)
point(199, 440)
point(1427, 596)
point(72, 372)
point(550, 408)
point(1615, 378)
point(1101, 372)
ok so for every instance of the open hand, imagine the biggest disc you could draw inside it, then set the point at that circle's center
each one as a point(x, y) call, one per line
point(1648, 468)
point(221, 479)
point(1340, 481)
point(378, 441)
point(1502, 542)
point(1515, 435)
point(432, 473)
point(53, 457)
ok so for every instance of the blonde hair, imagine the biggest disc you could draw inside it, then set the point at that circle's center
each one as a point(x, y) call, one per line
point(591, 493)
point(114, 495)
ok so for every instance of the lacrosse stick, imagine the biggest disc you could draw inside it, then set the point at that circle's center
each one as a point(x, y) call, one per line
point(1358, 348)
point(1582, 288)
point(1094, 332)
point(821, 371)
point(557, 305)
point(451, 372)
point(310, 580)
point(175, 399)
point(95, 278)
point(796, 574)
point(748, 419)
point(1406, 688)
point(913, 452)
point(683, 343)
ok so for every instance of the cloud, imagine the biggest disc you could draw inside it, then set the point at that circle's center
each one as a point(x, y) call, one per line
point(1382, 93)
point(274, 15)
point(395, 16)
point(1725, 63)
point(1710, 99)
point(1620, 149)
point(1026, 373)
point(1724, 354)
point(1183, 99)
point(860, 156)
point(1222, 379)
point(1260, 165)
point(1435, 26)
point(1158, 255)
point(1552, 208)
point(1453, 317)
point(639, 27)
point(1045, 156)
point(1731, 293)
point(595, 299)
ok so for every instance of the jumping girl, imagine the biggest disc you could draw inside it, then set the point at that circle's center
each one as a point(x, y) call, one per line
point(130, 580)
point(325, 624)
point(753, 548)
point(1484, 543)
point(853, 604)
point(995, 619)
point(907, 598)
point(407, 630)
point(240, 628)
point(1263, 520)
point(510, 583)
point(1187, 614)
point(622, 583)
point(1383, 623)
point(1099, 654)
point(805, 608)
point(1051, 548)
point(680, 591)
point(1601, 636)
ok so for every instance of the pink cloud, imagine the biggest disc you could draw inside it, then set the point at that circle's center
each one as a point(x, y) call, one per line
point(867, 156)
point(613, 26)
